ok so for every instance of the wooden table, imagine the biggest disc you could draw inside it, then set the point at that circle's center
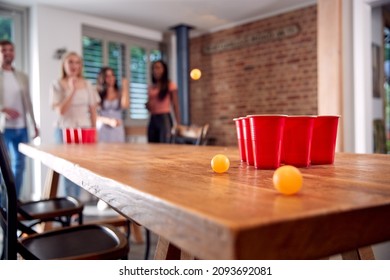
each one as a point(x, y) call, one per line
point(172, 190)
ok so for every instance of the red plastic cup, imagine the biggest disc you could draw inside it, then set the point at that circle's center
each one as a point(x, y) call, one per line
point(71, 135)
point(297, 138)
point(267, 137)
point(240, 138)
point(324, 139)
point(88, 135)
point(66, 135)
point(247, 133)
point(76, 135)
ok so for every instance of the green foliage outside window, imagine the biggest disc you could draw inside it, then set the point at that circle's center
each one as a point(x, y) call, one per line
point(5, 28)
point(93, 57)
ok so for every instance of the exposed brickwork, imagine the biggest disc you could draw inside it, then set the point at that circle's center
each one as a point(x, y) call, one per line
point(278, 77)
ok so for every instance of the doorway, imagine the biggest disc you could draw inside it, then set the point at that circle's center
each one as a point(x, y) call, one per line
point(386, 74)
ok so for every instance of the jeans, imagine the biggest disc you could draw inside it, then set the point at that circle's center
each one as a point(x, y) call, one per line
point(71, 188)
point(12, 137)
point(159, 128)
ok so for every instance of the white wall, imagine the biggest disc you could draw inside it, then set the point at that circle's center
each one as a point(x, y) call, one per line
point(51, 29)
point(54, 29)
point(365, 20)
point(348, 96)
point(359, 107)
point(362, 77)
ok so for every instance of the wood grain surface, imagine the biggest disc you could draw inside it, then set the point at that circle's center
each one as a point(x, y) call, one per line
point(172, 190)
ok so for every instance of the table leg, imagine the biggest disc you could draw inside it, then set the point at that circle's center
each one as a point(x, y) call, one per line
point(136, 231)
point(364, 253)
point(51, 184)
point(186, 256)
point(350, 255)
point(50, 191)
point(167, 251)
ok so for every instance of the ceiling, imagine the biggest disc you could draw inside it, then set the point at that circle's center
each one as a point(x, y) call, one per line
point(160, 15)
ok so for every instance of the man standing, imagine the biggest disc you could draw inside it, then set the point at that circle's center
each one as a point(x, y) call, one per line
point(15, 110)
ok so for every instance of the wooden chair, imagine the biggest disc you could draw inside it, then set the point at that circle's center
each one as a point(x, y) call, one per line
point(58, 209)
point(78, 242)
point(193, 134)
point(130, 227)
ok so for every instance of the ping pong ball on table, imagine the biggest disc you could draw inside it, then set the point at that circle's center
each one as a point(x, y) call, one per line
point(220, 163)
point(287, 179)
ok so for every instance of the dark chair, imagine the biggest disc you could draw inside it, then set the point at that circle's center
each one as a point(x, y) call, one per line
point(193, 134)
point(58, 209)
point(78, 242)
point(75, 136)
point(123, 222)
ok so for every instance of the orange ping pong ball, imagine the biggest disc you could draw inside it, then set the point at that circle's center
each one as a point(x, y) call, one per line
point(220, 163)
point(195, 74)
point(287, 179)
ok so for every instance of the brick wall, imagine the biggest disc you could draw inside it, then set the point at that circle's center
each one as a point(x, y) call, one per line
point(278, 76)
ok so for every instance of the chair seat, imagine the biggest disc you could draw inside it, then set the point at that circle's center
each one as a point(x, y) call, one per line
point(50, 208)
point(80, 242)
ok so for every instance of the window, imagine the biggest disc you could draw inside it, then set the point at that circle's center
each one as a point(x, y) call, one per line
point(116, 59)
point(93, 57)
point(138, 84)
point(139, 72)
point(5, 28)
point(12, 27)
point(129, 57)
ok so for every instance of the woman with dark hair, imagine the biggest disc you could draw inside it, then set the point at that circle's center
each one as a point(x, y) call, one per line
point(162, 94)
point(113, 100)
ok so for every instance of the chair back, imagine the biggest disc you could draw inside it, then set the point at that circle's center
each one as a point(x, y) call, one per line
point(205, 130)
point(192, 134)
point(8, 206)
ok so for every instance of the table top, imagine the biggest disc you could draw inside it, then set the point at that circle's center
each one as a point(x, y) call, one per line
point(172, 190)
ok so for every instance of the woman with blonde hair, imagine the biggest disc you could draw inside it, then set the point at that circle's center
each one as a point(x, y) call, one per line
point(72, 97)
point(75, 100)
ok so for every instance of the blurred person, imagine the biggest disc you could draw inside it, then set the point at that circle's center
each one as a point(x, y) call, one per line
point(75, 100)
point(162, 95)
point(113, 101)
point(16, 111)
